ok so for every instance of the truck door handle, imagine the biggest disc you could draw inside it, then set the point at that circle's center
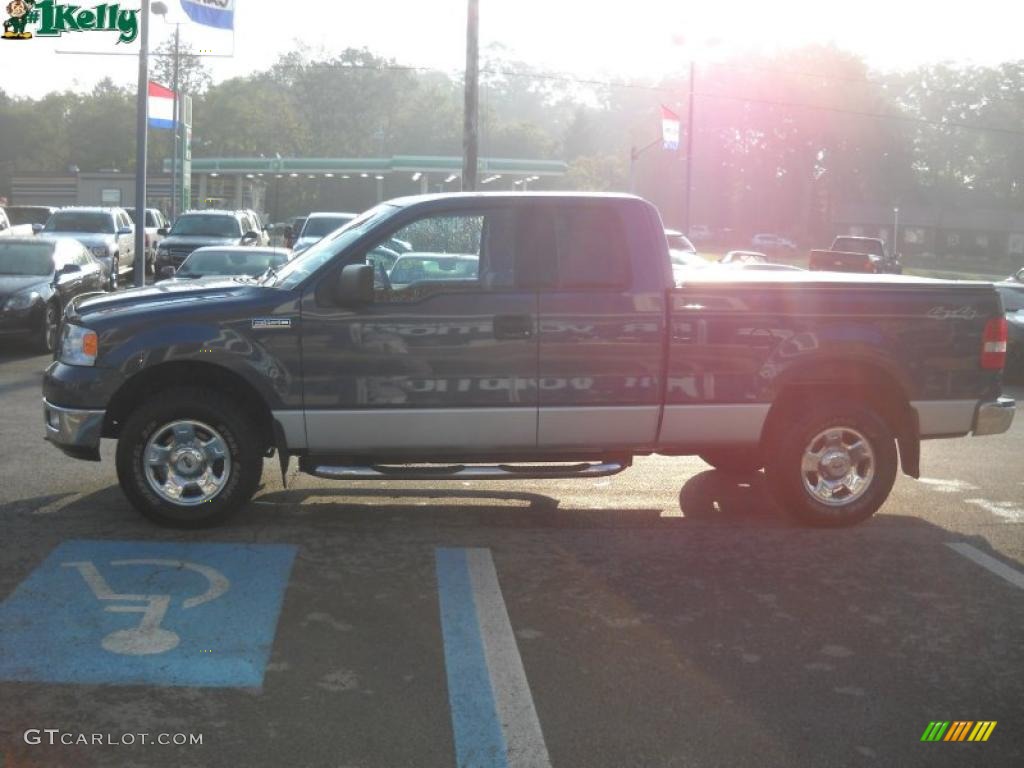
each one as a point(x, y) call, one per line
point(513, 326)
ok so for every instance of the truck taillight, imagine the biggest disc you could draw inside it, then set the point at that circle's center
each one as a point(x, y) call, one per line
point(993, 344)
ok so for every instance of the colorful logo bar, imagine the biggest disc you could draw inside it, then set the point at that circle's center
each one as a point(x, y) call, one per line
point(958, 730)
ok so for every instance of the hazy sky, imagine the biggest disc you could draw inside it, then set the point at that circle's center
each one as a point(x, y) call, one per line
point(586, 38)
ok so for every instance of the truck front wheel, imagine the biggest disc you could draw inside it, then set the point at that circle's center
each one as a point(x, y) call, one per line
point(189, 458)
point(833, 465)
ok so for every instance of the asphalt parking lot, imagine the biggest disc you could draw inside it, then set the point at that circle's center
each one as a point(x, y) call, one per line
point(667, 616)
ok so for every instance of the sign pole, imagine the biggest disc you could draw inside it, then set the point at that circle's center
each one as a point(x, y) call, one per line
point(141, 140)
point(470, 130)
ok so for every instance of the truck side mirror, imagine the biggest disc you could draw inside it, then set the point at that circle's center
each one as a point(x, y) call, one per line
point(250, 238)
point(37, 228)
point(354, 285)
point(163, 231)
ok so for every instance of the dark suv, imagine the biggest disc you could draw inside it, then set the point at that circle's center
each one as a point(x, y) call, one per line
point(195, 229)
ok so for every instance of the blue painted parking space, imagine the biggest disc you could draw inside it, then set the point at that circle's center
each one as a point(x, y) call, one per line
point(146, 613)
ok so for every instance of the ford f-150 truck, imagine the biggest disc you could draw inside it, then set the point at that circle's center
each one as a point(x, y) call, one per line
point(560, 347)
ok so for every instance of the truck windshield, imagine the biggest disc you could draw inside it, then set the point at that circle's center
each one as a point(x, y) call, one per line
point(302, 266)
point(81, 221)
point(26, 259)
point(207, 225)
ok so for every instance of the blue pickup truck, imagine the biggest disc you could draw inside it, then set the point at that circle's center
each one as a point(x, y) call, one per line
point(526, 336)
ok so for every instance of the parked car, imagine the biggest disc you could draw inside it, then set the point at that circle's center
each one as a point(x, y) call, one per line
point(107, 232)
point(155, 221)
point(35, 216)
point(8, 229)
point(701, 233)
point(319, 224)
point(38, 277)
point(1012, 294)
point(295, 223)
point(762, 267)
point(682, 254)
point(416, 267)
point(856, 254)
point(569, 353)
point(770, 242)
point(195, 229)
point(744, 257)
point(256, 224)
point(226, 260)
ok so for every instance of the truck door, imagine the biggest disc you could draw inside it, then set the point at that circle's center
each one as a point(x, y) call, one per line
point(444, 361)
point(602, 327)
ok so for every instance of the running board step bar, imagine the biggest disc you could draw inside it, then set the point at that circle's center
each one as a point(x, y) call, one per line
point(464, 472)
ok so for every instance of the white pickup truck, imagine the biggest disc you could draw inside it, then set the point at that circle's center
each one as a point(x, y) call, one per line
point(9, 230)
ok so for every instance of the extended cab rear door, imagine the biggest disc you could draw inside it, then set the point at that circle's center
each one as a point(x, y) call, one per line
point(602, 323)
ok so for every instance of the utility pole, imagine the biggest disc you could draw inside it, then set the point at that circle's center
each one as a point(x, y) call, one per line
point(175, 150)
point(141, 136)
point(689, 157)
point(470, 129)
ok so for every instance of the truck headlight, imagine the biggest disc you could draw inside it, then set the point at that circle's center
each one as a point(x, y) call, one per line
point(78, 345)
point(22, 300)
point(100, 250)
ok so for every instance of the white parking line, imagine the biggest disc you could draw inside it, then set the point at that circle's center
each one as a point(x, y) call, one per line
point(493, 717)
point(523, 736)
point(1003, 509)
point(989, 563)
point(947, 486)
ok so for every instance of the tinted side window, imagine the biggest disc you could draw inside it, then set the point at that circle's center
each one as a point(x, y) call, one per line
point(472, 252)
point(593, 252)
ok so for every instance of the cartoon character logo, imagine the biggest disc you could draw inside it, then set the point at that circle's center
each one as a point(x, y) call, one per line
point(20, 13)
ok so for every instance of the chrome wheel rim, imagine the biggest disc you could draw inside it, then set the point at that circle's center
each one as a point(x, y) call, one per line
point(838, 466)
point(186, 462)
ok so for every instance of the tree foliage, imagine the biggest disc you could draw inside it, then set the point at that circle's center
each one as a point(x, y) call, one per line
point(779, 140)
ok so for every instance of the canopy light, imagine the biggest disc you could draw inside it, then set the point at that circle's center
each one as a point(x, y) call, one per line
point(451, 178)
point(416, 176)
point(378, 177)
point(489, 179)
point(364, 175)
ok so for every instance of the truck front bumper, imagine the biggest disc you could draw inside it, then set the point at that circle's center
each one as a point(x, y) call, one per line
point(994, 417)
point(75, 431)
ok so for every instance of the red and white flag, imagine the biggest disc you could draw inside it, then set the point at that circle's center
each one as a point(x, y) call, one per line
point(161, 106)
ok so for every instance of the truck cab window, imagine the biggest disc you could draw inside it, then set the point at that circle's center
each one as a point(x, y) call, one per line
point(450, 253)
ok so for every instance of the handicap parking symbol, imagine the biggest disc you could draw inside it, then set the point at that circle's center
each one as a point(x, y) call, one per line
point(153, 613)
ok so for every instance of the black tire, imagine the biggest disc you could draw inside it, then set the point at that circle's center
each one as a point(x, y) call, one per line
point(785, 453)
point(735, 460)
point(243, 446)
point(115, 265)
point(48, 330)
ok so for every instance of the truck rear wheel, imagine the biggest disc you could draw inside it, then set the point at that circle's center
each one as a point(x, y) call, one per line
point(736, 460)
point(832, 466)
point(189, 458)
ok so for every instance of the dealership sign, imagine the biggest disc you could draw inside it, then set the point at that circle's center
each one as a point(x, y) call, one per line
point(54, 19)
